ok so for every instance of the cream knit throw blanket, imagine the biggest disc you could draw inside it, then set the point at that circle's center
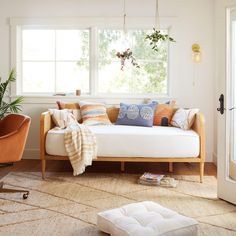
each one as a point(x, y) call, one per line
point(81, 147)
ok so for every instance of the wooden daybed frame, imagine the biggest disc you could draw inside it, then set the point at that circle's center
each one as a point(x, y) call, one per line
point(46, 124)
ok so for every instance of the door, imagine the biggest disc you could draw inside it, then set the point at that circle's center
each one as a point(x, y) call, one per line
point(226, 165)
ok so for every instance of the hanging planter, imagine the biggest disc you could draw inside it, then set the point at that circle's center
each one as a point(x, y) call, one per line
point(127, 55)
point(156, 36)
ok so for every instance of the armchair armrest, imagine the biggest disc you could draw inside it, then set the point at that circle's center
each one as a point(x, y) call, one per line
point(12, 144)
point(8, 135)
point(9, 129)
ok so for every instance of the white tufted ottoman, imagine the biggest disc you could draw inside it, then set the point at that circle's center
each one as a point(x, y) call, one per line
point(145, 219)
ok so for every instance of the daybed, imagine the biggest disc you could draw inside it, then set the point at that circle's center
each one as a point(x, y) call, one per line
point(131, 143)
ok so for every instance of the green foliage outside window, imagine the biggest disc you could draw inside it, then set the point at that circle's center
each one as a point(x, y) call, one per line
point(151, 77)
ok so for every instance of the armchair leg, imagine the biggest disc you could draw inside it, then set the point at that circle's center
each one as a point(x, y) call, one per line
point(6, 164)
point(201, 171)
point(8, 190)
point(43, 162)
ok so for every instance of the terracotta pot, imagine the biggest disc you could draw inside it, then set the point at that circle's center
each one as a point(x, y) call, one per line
point(78, 92)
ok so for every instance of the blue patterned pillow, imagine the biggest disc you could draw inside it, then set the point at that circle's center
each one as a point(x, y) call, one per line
point(138, 115)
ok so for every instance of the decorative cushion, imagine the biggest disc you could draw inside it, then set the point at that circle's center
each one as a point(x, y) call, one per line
point(65, 105)
point(62, 118)
point(162, 101)
point(184, 118)
point(145, 218)
point(134, 114)
point(72, 107)
point(163, 114)
point(94, 114)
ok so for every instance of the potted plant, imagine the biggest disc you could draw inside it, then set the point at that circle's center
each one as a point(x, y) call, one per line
point(127, 55)
point(155, 37)
point(12, 106)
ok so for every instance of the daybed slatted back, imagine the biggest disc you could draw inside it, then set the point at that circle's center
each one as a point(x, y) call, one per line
point(112, 113)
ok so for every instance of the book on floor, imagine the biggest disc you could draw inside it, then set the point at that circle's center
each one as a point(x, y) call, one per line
point(150, 179)
point(157, 180)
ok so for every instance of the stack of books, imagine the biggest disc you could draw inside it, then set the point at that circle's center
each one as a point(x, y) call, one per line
point(150, 179)
point(157, 180)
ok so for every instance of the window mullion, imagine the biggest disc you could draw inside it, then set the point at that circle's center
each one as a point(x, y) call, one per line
point(20, 89)
point(55, 63)
point(93, 61)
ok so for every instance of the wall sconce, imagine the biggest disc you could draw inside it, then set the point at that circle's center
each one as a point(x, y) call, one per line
point(196, 53)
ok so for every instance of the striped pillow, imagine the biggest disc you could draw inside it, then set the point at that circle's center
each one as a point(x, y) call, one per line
point(62, 118)
point(94, 114)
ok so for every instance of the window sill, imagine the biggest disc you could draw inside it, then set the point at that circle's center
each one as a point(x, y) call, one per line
point(108, 99)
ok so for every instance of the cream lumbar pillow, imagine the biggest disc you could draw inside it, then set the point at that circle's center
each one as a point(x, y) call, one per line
point(62, 118)
point(184, 118)
point(73, 107)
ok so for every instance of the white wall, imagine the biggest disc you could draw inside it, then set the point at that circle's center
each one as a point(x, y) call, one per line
point(192, 21)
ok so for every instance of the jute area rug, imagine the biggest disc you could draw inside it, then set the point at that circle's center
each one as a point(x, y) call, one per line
point(67, 205)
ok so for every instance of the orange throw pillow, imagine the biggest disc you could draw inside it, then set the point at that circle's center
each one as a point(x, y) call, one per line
point(62, 105)
point(163, 114)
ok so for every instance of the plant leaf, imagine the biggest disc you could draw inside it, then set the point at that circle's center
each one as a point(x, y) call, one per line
point(13, 106)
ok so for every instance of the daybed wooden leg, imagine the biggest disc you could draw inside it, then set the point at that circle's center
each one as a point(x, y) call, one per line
point(170, 166)
point(122, 166)
point(43, 168)
point(201, 171)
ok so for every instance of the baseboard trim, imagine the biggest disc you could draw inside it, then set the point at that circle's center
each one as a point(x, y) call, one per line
point(214, 158)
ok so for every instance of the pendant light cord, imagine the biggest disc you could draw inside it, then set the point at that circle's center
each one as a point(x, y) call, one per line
point(124, 23)
point(157, 17)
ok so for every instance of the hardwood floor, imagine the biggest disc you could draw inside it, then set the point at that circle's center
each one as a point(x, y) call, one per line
point(110, 167)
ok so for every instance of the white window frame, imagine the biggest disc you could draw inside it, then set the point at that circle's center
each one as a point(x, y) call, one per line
point(93, 24)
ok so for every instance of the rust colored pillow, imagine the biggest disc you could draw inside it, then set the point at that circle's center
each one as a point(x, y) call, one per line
point(63, 105)
point(163, 114)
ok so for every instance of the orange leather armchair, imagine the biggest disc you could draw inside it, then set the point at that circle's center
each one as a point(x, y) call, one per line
point(14, 130)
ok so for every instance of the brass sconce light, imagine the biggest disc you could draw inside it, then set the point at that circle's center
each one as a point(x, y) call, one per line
point(196, 53)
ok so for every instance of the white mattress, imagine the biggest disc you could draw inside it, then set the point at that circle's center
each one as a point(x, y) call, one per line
point(134, 141)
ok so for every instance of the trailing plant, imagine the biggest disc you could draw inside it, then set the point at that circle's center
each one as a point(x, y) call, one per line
point(13, 106)
point(127, 55)
point(155, 37)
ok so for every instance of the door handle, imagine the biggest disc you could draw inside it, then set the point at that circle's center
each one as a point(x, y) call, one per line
point(221, 108)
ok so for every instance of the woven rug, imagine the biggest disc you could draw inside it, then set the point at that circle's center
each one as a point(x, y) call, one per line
point(67, 205)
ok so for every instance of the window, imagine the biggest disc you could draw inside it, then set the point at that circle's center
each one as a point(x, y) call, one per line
point(55, 61)
point(150, 78)
point(63, 59)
